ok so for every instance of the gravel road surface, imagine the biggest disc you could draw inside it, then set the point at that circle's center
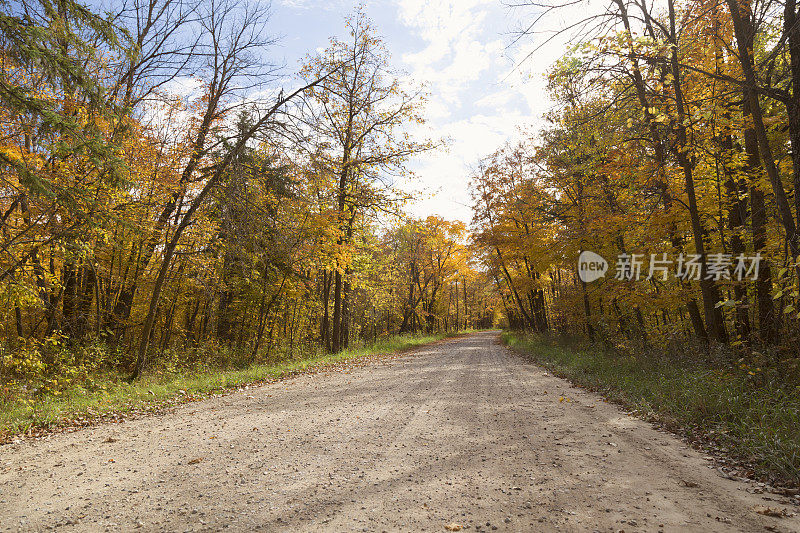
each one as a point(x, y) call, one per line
point(458, 434)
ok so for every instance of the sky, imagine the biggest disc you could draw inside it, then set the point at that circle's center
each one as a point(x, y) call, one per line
point(480, 91)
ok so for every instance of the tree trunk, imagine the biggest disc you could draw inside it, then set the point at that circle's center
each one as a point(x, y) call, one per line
point(758, 218)
point(344, 337)
point(744, 31)
point(324, 333)
point(708, 288)
point(336, 329)
point(792, 30)
point(697, 320)
point(587, 311)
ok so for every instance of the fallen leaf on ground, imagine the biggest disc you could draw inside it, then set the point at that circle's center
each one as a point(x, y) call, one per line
point(777, 512)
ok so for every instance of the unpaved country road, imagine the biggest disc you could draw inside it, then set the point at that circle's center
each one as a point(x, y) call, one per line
point(459, 432)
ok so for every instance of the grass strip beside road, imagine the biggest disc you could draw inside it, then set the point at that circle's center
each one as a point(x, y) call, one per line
point(113, 397)
point(750, 418)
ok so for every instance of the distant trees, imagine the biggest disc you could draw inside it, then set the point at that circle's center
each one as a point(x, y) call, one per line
point(672, 138)
point(433, 284)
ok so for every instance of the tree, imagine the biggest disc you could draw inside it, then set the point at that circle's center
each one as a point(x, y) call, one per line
point(656, 140)
point(59, 159)
point(232, 39)
point(357, 114)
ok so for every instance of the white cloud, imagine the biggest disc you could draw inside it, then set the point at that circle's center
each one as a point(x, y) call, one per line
point(463, 62)
point(296, 4)
point(187, 87)
point(454, 53)
point(445, 175)
point(497, 99)
point(482, 92)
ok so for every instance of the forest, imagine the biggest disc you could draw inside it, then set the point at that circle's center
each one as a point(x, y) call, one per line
point(645, 240)
point(144, 230)
point(408, 265)
point(173, 202)
point(674, 153)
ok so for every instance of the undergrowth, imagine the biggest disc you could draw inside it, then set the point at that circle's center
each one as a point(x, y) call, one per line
point(95, 391)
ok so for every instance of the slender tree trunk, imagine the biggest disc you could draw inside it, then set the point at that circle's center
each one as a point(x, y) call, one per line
point(697, 320)
point(191, 317)
point(324, 334)
point(587, 311)
point(744, 31)
point(708, 288)
point(409, 307)
point(528, 321)
point(336, 329)
point(791, 26)
point(344, 338)
point(18, 321)
point(86, 295)
point(758, 218)
point(737, 193)
point(69, 303)
point(466, 315)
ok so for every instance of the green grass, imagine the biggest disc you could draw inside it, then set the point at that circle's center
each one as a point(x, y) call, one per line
point(747, 414)
point(111, 394)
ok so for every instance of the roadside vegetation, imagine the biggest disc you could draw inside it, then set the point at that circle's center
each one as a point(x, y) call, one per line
point(109, 394)
point(656, 213)
point(750, 414)
point(180, 215)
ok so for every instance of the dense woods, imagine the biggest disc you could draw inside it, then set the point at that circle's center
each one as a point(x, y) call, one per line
point(673, 153)
point(171, 198)
point(164, 202)
point(181, 213)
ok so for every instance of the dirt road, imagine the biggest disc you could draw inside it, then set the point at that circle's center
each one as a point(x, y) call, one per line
point(460, 433)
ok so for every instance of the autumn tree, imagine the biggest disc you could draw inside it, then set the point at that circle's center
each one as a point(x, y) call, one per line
point(658, 146)
point(59, 162)
point(358, 114)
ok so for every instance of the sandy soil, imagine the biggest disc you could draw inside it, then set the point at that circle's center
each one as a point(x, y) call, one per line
point(459, 433)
